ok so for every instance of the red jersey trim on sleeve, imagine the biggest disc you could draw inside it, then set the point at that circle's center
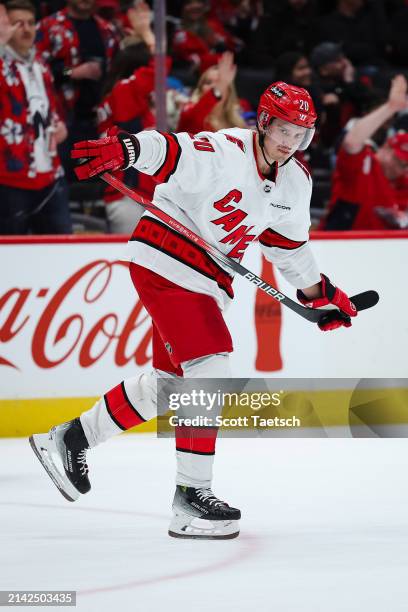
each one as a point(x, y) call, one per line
point(270, 238)
point(171, 160)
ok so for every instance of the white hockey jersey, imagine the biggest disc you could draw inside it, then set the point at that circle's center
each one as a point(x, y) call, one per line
point(211, 183)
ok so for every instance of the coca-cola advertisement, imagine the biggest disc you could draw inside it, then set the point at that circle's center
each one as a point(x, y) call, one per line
point(71, 324)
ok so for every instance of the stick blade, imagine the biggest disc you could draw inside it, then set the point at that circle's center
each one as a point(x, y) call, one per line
point(366, 299)
point(362, 301)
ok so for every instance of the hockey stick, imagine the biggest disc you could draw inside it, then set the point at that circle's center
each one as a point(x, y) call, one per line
point(364, 300)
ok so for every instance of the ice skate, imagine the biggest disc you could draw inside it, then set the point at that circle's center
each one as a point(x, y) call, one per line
point(62, 452)
point(198, 513)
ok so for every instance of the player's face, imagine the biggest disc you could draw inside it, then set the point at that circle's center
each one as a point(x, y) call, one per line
point(23, 38)
point(282, 139)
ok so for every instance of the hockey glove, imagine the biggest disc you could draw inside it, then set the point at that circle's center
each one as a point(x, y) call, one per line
point(331, 295)
point(115, 152)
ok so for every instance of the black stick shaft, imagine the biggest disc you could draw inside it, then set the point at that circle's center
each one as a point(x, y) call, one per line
point(310, 314)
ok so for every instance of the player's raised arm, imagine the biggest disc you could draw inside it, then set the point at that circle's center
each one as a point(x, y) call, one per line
point(365, 127)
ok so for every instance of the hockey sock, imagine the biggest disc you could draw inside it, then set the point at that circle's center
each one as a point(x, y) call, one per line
point(127, 405)
point(195, 446)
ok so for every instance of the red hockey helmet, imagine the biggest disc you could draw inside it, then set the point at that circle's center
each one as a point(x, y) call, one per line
point(289, 103)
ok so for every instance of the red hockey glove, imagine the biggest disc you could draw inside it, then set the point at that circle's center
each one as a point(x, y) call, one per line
point(331, 295)
point(115, 152)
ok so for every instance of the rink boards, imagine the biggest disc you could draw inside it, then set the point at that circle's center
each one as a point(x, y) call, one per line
point(71, 325)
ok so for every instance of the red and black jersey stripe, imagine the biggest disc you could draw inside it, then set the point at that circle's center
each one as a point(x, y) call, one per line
point(270, 238)
point(171, 160)
point(196, 440)
point(159, 236)
point(120, 409)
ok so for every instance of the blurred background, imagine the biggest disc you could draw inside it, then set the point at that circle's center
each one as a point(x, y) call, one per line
point(72, 70)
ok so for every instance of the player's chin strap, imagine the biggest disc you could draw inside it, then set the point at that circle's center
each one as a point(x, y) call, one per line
point(272, 171)
point(261, 135)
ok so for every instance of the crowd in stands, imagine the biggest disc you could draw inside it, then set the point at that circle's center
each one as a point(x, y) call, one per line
point(79, 69)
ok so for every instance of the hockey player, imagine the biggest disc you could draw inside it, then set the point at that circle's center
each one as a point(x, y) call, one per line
point(231, 187)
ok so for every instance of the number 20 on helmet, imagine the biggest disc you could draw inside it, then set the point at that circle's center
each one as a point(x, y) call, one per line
point(289, 103)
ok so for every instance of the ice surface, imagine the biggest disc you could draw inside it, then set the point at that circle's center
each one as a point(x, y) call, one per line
point(324, 528)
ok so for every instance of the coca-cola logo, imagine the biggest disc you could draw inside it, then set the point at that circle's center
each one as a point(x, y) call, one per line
point(76, 321)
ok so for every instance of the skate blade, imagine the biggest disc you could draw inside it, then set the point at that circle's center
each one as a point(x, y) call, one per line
point(185, 526)
point(44, 448)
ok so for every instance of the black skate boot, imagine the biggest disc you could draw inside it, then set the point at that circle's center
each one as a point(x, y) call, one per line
point(62, 452)
point(198, 513)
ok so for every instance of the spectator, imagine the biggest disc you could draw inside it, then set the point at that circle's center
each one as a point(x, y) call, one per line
point(79, 47)
point(199, 40)
point(360, 26)
point(365, 176)
point(127, 105)
point(240, 17)
point(136, 25)
point(343, 95)
point(214, 104)
point(33, 194)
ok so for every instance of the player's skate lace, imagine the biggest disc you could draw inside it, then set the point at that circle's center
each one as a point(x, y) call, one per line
point(208, 495)
point(81, 460)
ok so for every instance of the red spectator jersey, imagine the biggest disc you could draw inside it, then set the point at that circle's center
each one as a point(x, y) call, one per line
point(359, 185)
point(190, 47)
point(22, 130)
point(58, 42)
point(193, 117)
